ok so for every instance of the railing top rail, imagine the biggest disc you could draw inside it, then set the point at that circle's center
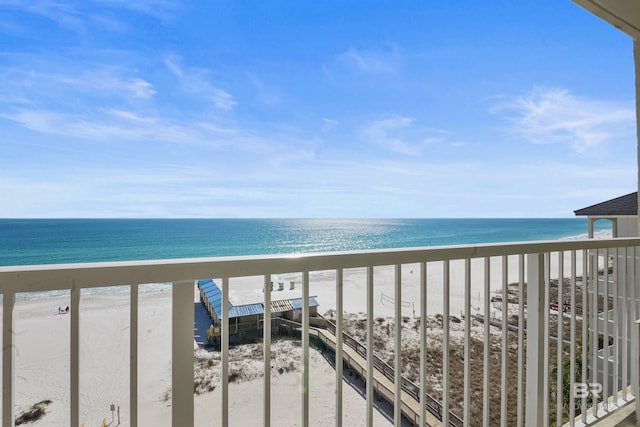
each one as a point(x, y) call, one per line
point(65, 276)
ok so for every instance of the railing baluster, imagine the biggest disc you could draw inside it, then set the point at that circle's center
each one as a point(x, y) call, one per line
point(224, 350)
point(266, 343)
point(397, 393)
point(8, 358)
point(505, 343)
point(536, 309)
point(305, 348)
point(487, 341)
point(585, 334)
point(339, 341)
point(636, 380)
point(182, 354)
point(594, 330)
point(572, 346)
point(521, 303)
point(546, 333)
point(633, 294)
point(74, 359)
point(559, 345)
point(615, 332)
point(467, 342)
point(370, 358)
point(605, 333)
point(445, 344)
point(133, 356)
point(625, 321)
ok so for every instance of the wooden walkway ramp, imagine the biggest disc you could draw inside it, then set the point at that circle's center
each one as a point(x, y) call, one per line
point(382, 377)
point(381, 384)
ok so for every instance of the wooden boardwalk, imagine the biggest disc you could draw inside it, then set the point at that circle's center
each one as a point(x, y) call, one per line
point(381, 384)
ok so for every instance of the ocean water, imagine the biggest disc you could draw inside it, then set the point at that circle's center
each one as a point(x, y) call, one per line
point(55, 241)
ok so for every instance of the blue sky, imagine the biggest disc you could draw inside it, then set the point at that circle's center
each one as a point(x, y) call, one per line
point(162, 108)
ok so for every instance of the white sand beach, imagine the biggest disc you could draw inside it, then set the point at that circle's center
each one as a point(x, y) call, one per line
point(42, 369)
point(42, 350)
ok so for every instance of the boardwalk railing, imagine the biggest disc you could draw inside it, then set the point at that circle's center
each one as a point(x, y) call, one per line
point(549, 381)
point(433, 405)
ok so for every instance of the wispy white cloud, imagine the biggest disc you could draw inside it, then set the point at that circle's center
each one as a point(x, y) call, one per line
point(65, 14)
point(81, 17)
point(264, 93)
point(553, 115)
point(109, 80)
point(35, 84)
point(328, 124)
point(122, 125)
point(171, 62)
point(220, 98)
point(369, 61)
point(197, 82)
point(385, 132)
point(401, 134)
point(160, 9)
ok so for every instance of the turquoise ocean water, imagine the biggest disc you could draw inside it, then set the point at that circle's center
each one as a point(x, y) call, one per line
point(55, 241)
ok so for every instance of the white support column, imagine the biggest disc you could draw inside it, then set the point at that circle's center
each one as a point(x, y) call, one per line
point(534, 394)
point(182, 355)
point(423, 347)
point(74, 359)
point(397, 394)
point(505, 342)
point(559, 341)
point(636, 59)
point(572, 338)
point(8, 357)
point(636, 369)
point(133, 357)
point(445, 342)
point(266, 341)
point(339, 342)
point(224, 350)
point(521, 304)
point(487, 342)
point(305, 349)
point(585, 331)
point(370, 365)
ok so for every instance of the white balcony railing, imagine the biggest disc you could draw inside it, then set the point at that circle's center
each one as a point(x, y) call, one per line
point(547, 367)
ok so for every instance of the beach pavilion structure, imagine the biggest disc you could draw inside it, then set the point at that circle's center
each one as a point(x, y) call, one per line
point(246, 316)
point(531, 398)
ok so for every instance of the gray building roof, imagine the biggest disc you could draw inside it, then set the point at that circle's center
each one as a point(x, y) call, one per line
point(214, 295)
point(623, 205)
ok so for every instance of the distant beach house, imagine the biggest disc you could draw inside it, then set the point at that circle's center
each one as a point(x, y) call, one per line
point(246, 317)
point(623, 214)
point(621, 211)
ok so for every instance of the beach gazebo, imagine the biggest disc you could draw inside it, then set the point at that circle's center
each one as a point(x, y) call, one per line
point(246, 319)
point(621, 211)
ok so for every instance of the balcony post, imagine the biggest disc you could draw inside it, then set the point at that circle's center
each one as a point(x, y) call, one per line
point(8, 356)
point(636, 368)
point(182, 355)
point(534, 393)
point(636, 60)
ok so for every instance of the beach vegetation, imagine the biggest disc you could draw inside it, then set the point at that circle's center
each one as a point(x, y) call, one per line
point(33, 413)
